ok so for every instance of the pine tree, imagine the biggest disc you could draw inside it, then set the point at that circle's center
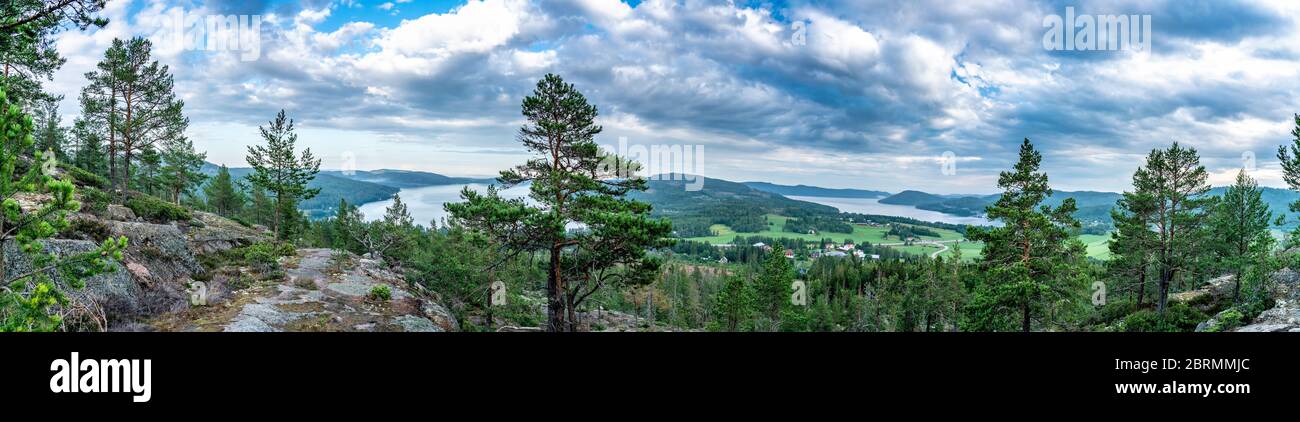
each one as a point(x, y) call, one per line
point(222, 195)
point(387, 238)
point(27, 53)
point(181, 168)
point(1133, 242)
point(572, 181)
point(261, 209)
point(1032, 261)
point(134, 98)
point(149, 169)
point(1240, 226)
point(89, 154)
point(50, 134)
point(1290, 160)
point(735, 303)
point(773, 290)
point(279, 171)
point(1175, 179)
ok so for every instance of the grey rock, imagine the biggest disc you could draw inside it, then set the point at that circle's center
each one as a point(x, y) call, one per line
point(119, 213)
point(411, 323)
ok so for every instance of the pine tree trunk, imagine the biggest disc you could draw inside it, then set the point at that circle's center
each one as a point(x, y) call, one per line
point(1024, 324)
point(554, 293)
point(1142, 286)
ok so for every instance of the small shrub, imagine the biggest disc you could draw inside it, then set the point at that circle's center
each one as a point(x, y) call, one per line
point(305, 283)
point(85, 178)
point(1178, 317)
point(1145, 320)
point(381, 293)
point(1228, 320)
point(239, 282)
point(94, 201)
point(85, 229)
point(264, 257)
point(241, 221)
point(157, 210)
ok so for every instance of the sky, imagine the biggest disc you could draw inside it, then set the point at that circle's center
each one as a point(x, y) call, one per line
point(848, 94)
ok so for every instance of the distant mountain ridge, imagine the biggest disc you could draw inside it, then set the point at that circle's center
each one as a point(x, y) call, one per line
point(805, 190)
point(405, 178)
point(357, 187)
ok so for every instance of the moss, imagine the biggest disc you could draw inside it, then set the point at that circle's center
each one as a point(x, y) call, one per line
point(157, 210)
point(85, 178)
point(93, 200)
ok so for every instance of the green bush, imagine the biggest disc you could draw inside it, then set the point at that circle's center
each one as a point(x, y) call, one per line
point(85, 178)
point(93, 200)
point(1178, 317)
point(381, 293)
point(264, 256)
point(241, 221)
point(157, 210)
point(85, 229)
point(1228, 320)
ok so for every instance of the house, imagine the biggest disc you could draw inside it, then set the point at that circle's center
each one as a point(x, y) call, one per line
point(874, 256)
point(723, 260)
point(835, 254)
point(846, 247)
point(859, 254)
point(815, 254)
point(759, 245)
point(789, 253)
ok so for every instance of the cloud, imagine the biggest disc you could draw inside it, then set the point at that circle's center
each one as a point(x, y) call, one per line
point(846, 94)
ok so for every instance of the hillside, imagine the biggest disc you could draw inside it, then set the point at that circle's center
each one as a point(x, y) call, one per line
point(721, 202)
point(805, 190)
point(404, 178)
point(911, 197)
point(1094, 207)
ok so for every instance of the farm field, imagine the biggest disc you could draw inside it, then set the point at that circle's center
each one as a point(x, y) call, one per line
point(861, 233)
point(1096, 244)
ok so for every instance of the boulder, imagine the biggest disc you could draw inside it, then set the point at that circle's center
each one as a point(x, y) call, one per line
point(1285, 314)
point(117, 212)
point(112, 296)
point(209, 233)
point(161, 248)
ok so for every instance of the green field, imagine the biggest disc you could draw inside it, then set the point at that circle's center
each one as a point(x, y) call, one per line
point(775, 223)
point(1096, 244)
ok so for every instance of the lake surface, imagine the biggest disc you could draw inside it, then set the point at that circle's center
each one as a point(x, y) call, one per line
point(425, 203)
point(873, 206)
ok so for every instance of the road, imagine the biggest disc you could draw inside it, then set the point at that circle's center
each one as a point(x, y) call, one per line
point(941, 243)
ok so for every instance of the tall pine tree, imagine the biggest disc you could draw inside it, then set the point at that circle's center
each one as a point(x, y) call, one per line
point(222, 195)
point(571, 182)
point(282, 173)
point(1033, 261)
point(1240, 227)
point(1175, 179)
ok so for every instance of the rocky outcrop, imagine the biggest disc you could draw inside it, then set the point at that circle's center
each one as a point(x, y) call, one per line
point(1285, 314)
point(109, 295)
point(213, 233)
point(319, 293)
